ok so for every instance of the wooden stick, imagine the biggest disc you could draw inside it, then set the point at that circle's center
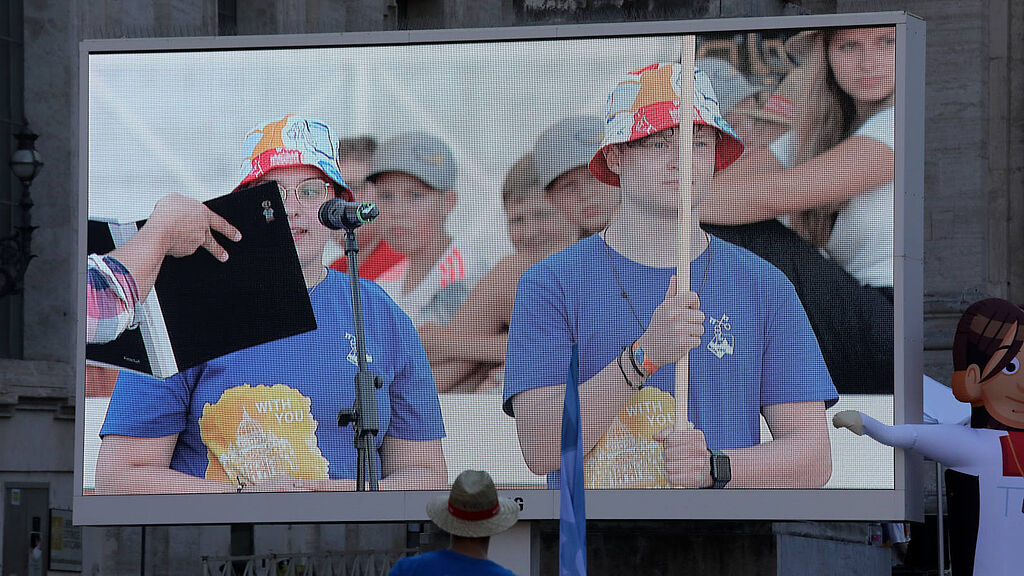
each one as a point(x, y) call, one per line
point(685, 214)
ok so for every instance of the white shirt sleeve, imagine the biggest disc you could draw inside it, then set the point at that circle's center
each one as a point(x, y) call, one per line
point(784, 148)
point(879, 127)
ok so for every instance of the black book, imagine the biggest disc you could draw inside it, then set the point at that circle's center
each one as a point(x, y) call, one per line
point(201, 308)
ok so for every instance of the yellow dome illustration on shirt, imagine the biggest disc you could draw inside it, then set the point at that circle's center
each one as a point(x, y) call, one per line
point(253, 434)
point(627, 456)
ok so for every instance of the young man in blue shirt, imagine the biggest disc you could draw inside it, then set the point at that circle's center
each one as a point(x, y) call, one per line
point(614, 294)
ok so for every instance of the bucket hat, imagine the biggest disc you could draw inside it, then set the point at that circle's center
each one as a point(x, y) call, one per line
point(646, 101)
point(290, 141)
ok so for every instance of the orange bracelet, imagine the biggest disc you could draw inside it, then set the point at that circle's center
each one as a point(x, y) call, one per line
point(642, 360)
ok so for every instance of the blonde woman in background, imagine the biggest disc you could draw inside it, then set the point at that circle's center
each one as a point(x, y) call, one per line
point(833, 172)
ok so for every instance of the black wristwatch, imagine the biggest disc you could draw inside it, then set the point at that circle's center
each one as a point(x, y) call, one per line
point(721, 470)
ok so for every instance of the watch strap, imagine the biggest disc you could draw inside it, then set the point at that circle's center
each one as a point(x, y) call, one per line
point(721, 469)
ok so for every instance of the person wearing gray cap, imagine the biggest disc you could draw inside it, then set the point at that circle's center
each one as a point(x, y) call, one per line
point(479, 332)
point(560, 157)
point(415, 175)
point(737, 98)
point(355, 154)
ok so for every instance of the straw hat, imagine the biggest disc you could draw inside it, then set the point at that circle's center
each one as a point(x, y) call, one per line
point(472, 509)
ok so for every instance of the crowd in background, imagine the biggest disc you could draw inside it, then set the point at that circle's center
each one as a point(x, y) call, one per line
point(812, 194)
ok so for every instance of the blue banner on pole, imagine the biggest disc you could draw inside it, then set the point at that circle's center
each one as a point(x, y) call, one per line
point(572, 528)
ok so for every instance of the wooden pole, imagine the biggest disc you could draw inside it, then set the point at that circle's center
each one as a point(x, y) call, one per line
point(685, 214)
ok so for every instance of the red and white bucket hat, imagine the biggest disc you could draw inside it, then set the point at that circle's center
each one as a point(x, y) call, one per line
point(646, 101)
point(290, 141)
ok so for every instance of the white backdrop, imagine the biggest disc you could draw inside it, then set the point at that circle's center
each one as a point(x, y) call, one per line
point(174, 122)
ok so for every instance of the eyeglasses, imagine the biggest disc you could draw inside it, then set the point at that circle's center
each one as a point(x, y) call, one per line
point(312, 192)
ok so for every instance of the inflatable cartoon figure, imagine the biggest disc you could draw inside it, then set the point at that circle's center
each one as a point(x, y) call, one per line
point(987, 359)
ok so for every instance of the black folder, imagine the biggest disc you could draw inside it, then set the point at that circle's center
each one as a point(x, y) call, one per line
point(201, 308)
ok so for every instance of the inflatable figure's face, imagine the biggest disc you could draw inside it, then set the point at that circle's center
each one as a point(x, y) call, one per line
point(1002, 393)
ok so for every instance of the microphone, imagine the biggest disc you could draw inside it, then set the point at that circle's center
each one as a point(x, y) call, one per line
point(337, 214)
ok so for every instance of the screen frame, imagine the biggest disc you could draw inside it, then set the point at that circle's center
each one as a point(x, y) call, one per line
point(904, 502)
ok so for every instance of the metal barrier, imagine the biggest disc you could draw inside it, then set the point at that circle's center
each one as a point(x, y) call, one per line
point(362, 563)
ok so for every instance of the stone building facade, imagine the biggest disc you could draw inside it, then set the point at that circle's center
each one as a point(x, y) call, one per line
point(974, 210)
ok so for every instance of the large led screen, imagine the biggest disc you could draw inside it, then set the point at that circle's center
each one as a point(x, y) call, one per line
point(528, 183)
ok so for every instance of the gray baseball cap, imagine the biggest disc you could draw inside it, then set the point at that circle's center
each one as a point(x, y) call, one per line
point(418, 154)
point(565, 145)
point(730, 86)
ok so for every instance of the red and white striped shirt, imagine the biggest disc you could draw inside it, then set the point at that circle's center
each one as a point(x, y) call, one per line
point(439, 295)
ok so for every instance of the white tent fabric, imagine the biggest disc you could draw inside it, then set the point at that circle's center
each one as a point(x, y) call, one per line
point(941, 407)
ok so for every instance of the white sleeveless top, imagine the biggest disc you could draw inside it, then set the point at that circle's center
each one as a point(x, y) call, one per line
point(861, 239)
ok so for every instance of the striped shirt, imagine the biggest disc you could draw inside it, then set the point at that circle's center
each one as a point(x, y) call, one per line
point(439, 295)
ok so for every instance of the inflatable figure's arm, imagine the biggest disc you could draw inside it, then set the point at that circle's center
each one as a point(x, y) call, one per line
point(951, 444)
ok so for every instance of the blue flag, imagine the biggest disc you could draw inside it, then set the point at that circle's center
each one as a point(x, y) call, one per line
point(572, 528)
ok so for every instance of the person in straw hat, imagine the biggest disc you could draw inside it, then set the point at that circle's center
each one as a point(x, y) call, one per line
point(472, 512)
point(750, 347)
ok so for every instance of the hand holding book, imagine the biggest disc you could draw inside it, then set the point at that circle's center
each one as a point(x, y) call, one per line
point(177, 227)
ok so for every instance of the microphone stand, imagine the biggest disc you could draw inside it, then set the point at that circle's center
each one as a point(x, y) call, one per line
point(363, 415)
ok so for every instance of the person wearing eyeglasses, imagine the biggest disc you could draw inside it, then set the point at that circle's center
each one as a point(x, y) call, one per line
point(265, 418)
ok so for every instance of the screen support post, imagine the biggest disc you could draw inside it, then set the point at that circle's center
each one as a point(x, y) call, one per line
point(363, 415)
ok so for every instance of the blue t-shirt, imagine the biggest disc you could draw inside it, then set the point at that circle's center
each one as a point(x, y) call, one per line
point(272, 409)
point(758, 348)
point(447, 563)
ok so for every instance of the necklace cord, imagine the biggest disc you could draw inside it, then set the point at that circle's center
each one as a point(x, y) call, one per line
point(622, 287)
